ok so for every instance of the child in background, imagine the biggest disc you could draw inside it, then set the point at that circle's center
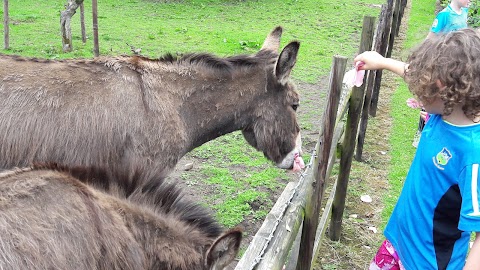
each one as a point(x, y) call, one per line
point(451, 18)
point(439, 205)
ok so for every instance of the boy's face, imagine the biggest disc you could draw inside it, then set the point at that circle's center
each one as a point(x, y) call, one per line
point(462, 3)
point(434, 106)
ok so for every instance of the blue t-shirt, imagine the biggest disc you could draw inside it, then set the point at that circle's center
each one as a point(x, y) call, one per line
point(448, 20)
point(438, 207)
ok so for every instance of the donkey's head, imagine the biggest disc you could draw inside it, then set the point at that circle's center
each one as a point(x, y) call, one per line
point(275, 129)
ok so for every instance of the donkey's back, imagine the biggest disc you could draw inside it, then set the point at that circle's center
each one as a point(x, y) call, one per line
point(117, 111)
point(84, 106)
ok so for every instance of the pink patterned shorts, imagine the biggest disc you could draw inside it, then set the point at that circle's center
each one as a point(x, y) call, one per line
point(386, 258)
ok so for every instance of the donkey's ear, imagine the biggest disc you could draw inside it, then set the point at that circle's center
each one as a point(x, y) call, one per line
point(272, 42)
point(286, 61)
point(224, 249)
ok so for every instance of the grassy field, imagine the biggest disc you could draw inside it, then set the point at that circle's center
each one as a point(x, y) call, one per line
point(223, 27)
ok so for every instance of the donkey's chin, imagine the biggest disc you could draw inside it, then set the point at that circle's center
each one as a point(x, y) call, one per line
point(287, 162)
point(293, 161)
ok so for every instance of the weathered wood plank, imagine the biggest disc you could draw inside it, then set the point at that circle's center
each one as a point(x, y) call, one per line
point(255, 250)
point(293, 258)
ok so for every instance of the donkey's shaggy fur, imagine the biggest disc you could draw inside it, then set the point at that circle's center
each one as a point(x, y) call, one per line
point(51, 220)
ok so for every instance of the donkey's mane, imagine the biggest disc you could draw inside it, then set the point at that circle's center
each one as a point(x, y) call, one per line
point(225, 65)
point(214, 62)
point(148, 191)
point(207, 61)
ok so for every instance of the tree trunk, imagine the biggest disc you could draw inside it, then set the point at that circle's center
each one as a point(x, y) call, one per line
point(65, 19)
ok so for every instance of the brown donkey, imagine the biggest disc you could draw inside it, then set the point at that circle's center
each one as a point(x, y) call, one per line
point(117, 111)
point(49, 219)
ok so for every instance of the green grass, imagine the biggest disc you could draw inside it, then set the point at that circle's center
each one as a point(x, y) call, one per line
point(242, 190)
point(222, 27)
point(405, 119)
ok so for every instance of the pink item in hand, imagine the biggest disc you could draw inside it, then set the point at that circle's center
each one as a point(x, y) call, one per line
point(298, 163)
point(413, 103)
point(359, 74)
point(354, 77)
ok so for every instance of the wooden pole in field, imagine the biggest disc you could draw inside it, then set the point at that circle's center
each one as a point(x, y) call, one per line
point(96, 50)
point(313, 205)
point(354, 112)
point(6, 37)
point(82, 23)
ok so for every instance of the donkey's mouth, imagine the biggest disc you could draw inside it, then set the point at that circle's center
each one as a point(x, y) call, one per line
point(293, 161)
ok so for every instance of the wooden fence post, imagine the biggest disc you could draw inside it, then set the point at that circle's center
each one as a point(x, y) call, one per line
point(393, 28)
point(381, 47)
point(368, 93)
point(96, 49)
point(356, 103)
point(312, 208)
point(6, 32)
point(401, 11)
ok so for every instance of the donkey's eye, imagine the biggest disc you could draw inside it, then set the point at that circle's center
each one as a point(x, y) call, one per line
point(295, 107)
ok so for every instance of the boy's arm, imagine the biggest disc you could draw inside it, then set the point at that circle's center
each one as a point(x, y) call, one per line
point(439, 23)
point(373, 60)
point(473, 259)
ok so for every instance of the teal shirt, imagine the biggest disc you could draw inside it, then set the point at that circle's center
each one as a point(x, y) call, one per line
point(439, 205)
point(448, 20)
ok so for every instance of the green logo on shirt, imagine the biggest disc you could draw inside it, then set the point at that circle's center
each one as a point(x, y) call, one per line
point(443, 157)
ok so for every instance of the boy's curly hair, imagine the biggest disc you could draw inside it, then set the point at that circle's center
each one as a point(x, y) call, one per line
point(454, 60)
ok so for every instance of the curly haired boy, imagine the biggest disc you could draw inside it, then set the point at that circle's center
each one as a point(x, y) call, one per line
point(439, 206)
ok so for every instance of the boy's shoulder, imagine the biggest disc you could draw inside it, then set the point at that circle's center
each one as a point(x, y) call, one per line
point(447, 10)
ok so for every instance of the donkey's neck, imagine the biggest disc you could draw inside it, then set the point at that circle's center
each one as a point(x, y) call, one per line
point(221, 107)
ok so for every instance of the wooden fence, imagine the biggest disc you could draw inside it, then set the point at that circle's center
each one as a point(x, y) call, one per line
point(291, 234)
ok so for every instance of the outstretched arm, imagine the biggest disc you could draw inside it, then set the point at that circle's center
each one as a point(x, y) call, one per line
point(473, 260)
point(374, 60)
